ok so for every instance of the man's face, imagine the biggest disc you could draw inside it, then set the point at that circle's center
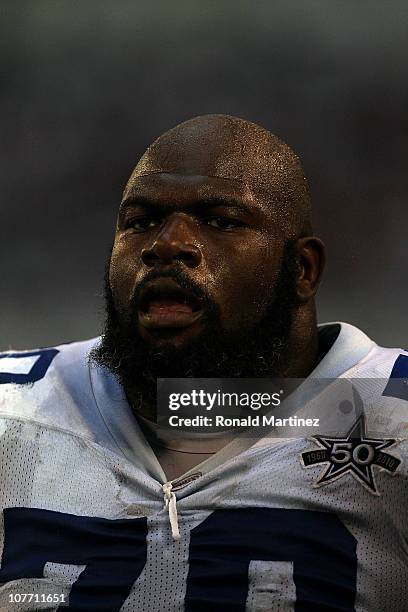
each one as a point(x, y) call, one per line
point(204, 280)
point(191, 251)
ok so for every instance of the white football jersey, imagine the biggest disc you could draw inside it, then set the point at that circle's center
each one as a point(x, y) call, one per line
point(89, 521)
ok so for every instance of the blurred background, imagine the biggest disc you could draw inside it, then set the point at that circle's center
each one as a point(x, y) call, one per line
point(87, 85)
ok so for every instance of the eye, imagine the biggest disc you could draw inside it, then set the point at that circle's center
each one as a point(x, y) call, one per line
point(224, 223)
point(143, 224)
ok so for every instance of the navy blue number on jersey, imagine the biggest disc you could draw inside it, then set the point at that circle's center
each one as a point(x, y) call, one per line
point(322, 550)
point(37, 371)
point(114, 552)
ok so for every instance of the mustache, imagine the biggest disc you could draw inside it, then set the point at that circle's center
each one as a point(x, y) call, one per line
point(182, 279)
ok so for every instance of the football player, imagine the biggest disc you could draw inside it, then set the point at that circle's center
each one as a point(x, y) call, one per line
point(213, 273)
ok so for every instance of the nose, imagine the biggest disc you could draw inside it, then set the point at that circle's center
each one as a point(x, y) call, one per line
point(174, 243)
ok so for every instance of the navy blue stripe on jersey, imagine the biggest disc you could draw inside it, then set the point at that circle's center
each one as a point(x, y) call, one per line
point(397, 385)
point(37, 371)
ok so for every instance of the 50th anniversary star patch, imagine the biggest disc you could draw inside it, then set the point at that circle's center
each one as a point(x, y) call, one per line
point(355, 454)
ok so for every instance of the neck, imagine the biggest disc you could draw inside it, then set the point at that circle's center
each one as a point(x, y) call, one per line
point(303, 348)
point(142, 407)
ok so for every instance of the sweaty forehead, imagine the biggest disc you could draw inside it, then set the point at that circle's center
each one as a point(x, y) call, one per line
point(226, 148)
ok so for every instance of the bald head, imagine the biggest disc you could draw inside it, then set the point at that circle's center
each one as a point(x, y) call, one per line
point(230, 148)
point(213, 270)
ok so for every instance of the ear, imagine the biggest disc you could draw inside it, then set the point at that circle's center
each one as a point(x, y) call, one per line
point(312, 257)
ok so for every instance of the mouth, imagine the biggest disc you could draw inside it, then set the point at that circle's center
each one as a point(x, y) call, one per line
point(164, 304)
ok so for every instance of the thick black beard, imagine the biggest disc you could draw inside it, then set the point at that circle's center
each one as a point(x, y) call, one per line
point(255, 352)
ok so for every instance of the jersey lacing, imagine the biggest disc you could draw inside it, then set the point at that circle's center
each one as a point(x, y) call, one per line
point(171, 504)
